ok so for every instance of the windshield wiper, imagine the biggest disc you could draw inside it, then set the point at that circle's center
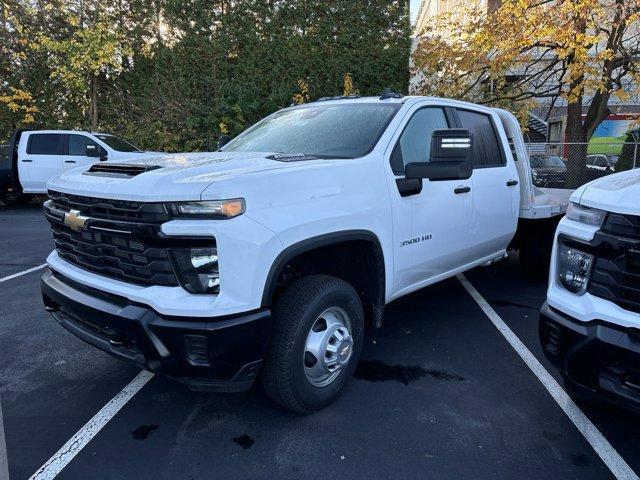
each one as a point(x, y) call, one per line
point(291, 157)
point(284, 157)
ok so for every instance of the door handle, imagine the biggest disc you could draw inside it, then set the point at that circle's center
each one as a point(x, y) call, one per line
point(462, 190)
point(512, 183)
point(69, 161)
point(27, 161)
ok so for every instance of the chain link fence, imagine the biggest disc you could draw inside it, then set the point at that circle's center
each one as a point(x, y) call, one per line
point(570, 165)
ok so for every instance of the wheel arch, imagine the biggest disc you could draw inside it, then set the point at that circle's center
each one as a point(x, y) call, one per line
point(369, 260)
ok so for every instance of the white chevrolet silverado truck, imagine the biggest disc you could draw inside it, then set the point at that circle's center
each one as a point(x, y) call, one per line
point(267, 258)
point(36, 156)
point(590, 324)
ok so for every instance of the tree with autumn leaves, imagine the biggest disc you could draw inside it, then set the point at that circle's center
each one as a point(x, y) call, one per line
point(532, 54)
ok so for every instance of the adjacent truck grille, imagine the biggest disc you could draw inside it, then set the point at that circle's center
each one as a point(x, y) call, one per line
point(616, 272)
point(116, 240)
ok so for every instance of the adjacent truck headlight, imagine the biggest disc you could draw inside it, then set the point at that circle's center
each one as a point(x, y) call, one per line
point(208, 208)
point(574, 268)
point(586, 215)
point(197, 269)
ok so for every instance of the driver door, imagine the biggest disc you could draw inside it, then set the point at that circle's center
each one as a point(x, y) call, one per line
point(77, 151)
point(430, 226)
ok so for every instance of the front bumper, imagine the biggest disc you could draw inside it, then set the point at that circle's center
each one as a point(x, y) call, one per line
point(221, 354)
point(600, 359)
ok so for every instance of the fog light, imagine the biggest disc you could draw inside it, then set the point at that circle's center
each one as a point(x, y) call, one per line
point(195, 347)
point(197, 269)
point(574, 268)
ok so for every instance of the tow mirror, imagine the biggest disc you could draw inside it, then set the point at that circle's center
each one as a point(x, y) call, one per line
point(450, 157)
point(223, 140)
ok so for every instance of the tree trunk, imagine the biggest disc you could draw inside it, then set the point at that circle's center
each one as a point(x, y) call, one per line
point(93, 109)
point(576, 148)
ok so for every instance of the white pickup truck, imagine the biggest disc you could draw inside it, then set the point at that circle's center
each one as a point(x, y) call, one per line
point(36, 156)
point(590, 325)
point(267, 258)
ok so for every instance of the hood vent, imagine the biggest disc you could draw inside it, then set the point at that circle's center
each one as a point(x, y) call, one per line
point(124, 170)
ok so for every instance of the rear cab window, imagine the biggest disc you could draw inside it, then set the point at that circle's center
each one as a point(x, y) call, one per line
point(487, 149)
point(45, 144)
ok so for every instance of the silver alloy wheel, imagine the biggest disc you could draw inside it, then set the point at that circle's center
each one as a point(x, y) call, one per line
point(328, 348)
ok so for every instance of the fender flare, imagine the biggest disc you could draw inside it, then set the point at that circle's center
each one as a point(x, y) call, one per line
point(312, 243)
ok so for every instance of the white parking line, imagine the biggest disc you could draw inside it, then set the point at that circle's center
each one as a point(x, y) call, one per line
point(4, 463)
point(69, 450)
point(603, 448)
point(24, 272)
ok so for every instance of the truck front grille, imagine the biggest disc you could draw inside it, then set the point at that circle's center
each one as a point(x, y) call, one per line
point(114, 256)
point(119, 240)
point(122, 210)
point(616, 282)
point(616, 272)
point(627, 226)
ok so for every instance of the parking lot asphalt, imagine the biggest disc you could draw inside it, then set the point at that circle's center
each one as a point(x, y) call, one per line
point(438, 393)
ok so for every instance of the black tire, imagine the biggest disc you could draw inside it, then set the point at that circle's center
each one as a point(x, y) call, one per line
point(295, 312)
point(534, 261)
point(15, 200)
point(535, 250)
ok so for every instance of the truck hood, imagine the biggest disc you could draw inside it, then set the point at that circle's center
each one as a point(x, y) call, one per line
point(618, 193)
point(170, 177)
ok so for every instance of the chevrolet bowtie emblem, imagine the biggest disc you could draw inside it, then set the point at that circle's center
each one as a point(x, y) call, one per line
point(74, 220)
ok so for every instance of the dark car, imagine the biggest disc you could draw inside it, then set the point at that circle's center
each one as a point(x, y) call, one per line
point(548, 171)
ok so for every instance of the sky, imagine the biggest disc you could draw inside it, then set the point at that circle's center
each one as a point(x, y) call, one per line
point(413, 9)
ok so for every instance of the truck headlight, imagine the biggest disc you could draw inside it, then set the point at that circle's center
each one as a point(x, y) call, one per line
point(574, 268)
point(197, 269)
point(586, 215)
point(208, 208)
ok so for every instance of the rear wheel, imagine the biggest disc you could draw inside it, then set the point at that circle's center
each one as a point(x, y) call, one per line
point(534, 256)
point(535, 245)
point(15, 199)
point(315, 343)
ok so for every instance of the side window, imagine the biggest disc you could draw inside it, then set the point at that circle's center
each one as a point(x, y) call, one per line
point(45, 144)
point(414, 144)
point(78, 144)
point(486, 146)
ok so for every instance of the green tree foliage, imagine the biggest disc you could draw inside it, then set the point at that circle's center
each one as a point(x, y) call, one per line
point(175, 74)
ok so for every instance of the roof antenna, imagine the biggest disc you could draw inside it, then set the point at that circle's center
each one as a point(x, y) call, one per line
point(388, 93)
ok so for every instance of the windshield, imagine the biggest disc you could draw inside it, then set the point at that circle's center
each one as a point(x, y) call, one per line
point(542, 161)
point(118, 144)
point(325, 131)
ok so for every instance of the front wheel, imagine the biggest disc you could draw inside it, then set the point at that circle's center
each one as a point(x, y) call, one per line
point(315, 343)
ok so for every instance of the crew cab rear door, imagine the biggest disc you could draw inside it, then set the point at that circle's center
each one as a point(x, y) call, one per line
point(430, 225)
point(39, 159)
point(495, 190)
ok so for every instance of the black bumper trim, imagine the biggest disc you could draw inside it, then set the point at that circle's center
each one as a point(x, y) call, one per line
point(231, 348)
point(599, 358)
